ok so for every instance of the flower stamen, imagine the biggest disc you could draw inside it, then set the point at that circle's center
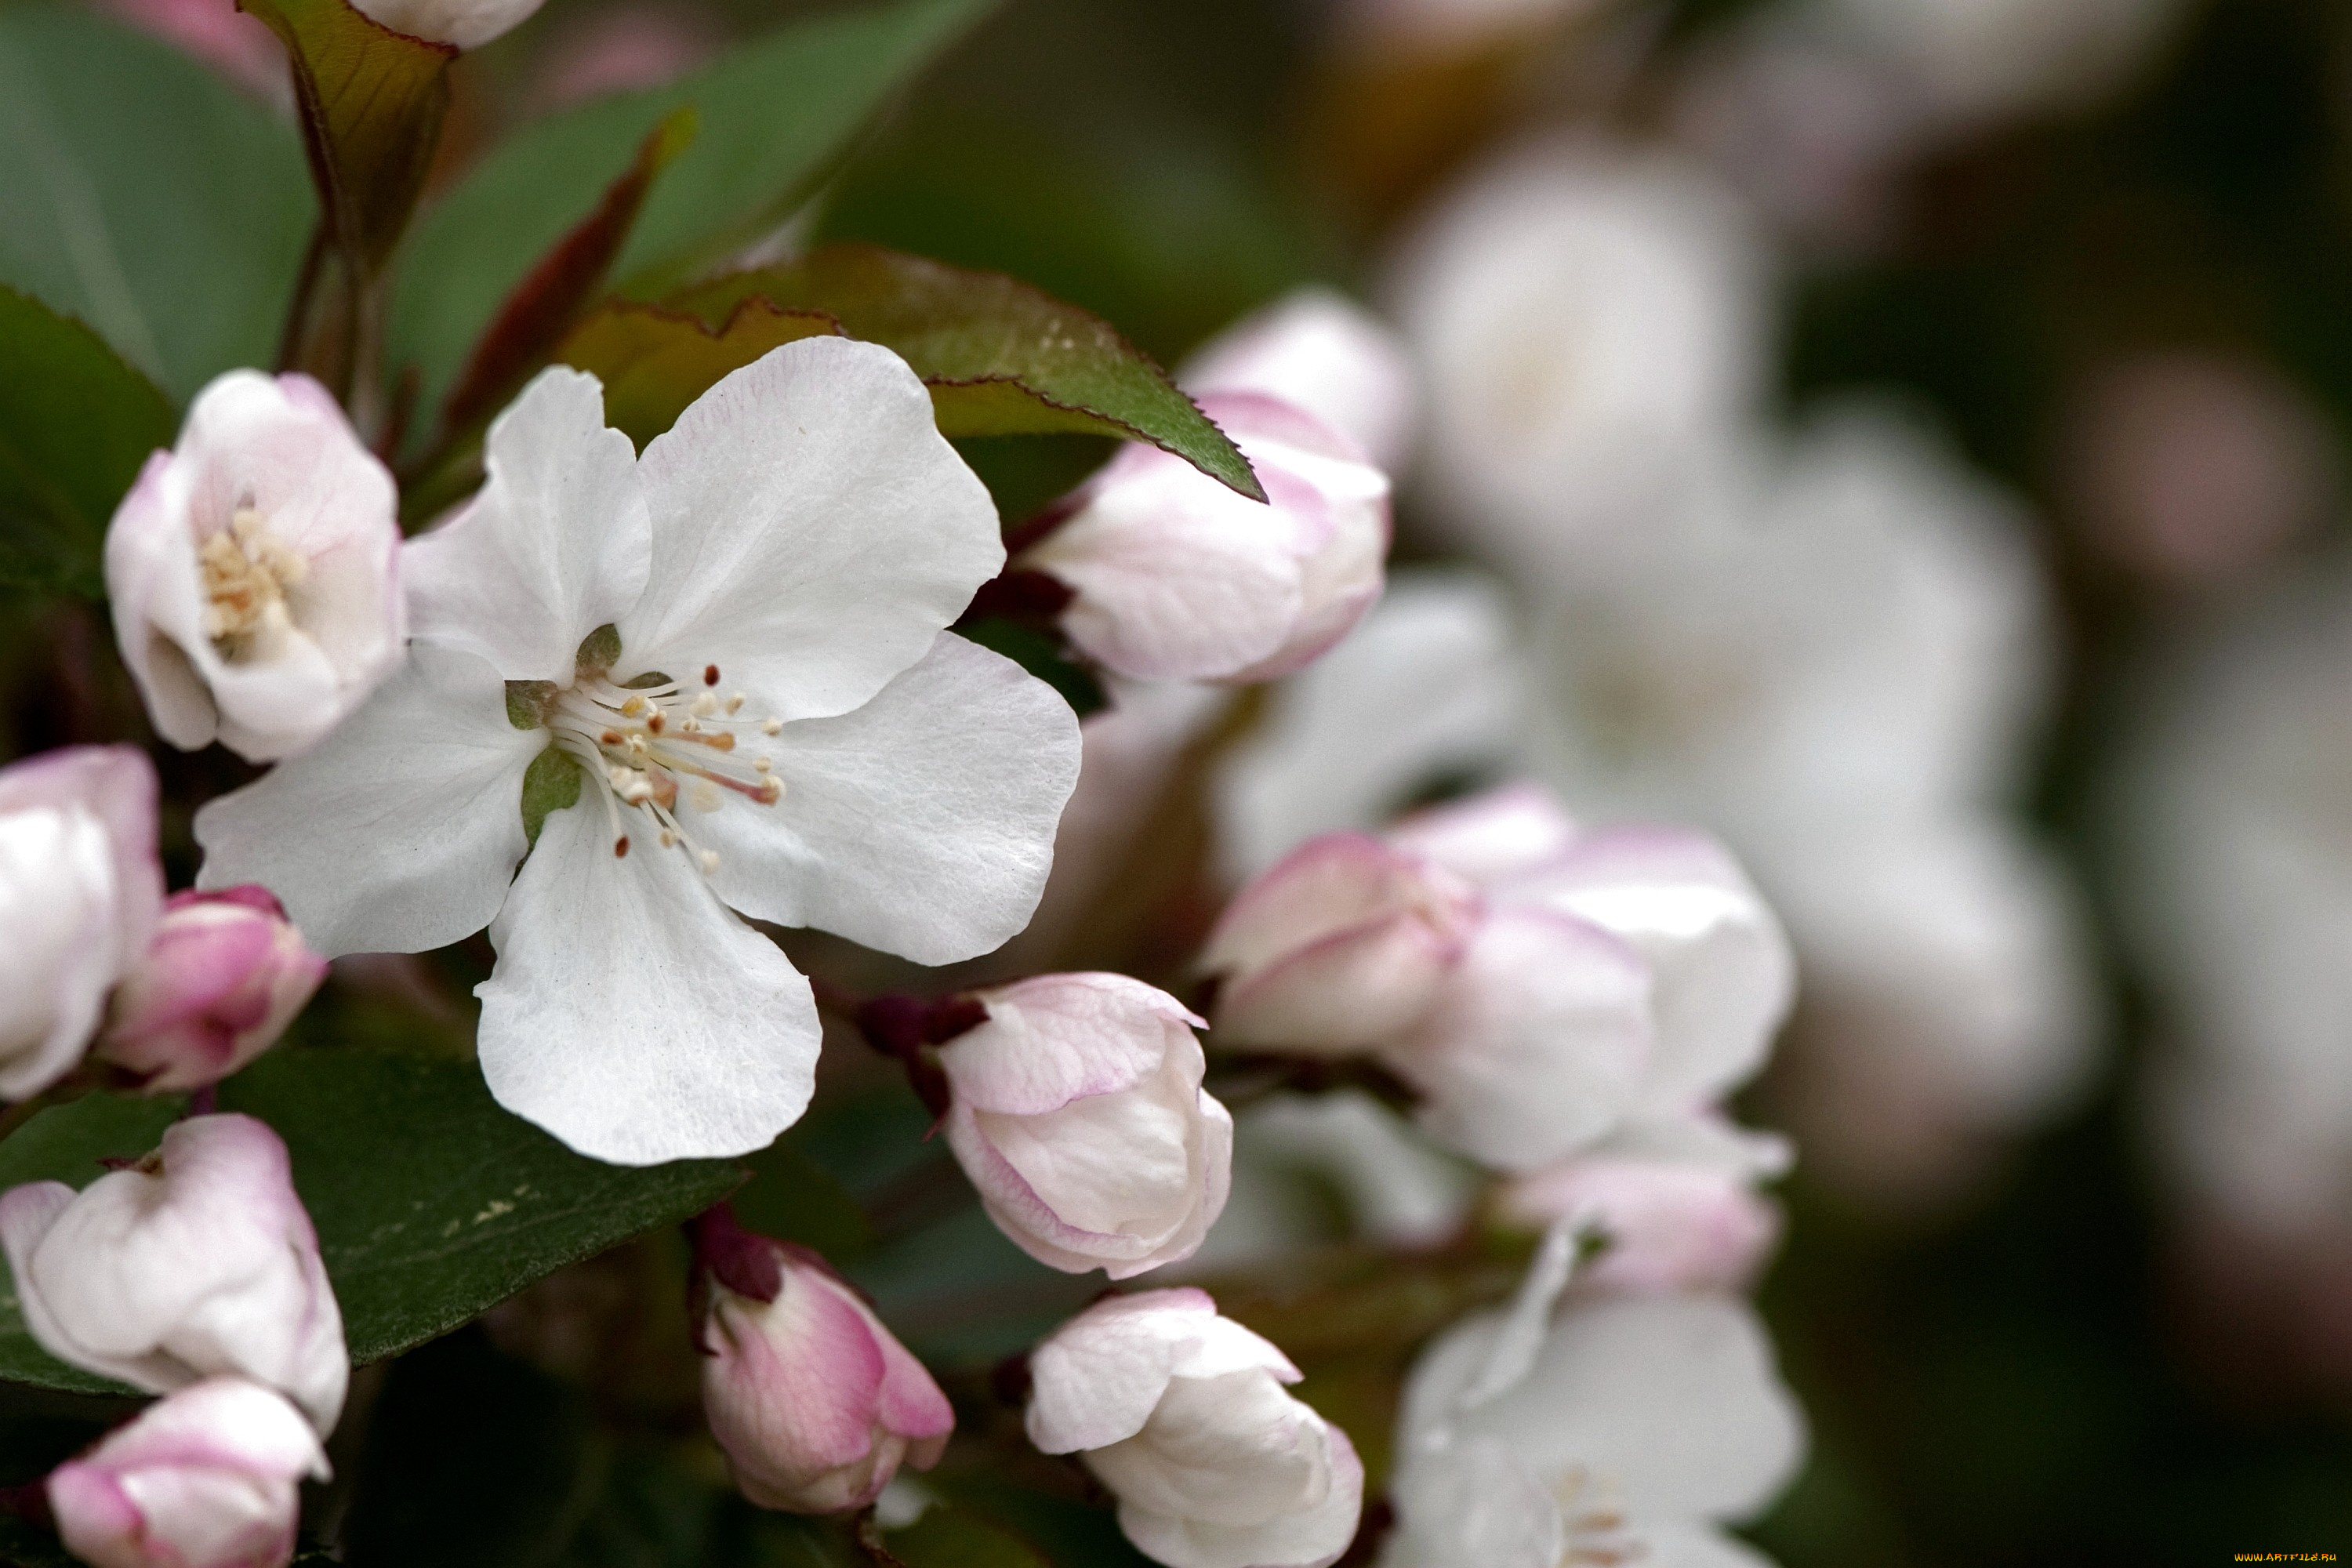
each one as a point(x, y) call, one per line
point(645, 745)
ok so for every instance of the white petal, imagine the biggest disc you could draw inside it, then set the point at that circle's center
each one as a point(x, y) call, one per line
point(397, 833)
point(1681, 1546)
point(630, 1015)
point(921, 824)
point(812, 529)
point(556, 545)
point(1472, 1502)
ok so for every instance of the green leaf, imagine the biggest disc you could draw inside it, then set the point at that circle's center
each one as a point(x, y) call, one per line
point(1000, 357)
point(655, 362)
point(371, 101)
point(144, 196)
point(68, 1144)
point(532, 322)
point(76, 422)
point(433, 1203)
point(775, 117)
point(793, 1198)
point(950, 1537)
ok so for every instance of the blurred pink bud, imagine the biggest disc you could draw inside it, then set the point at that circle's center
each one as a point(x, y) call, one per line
point(1668, 1225)
point(1320, 352)
point(1493, 837)
point(1177, 576)
point(80, 891)
point(1079, 1116)
point(1180, 1413)
point(814, 1400)
point(254, 570)
point(238, 46)
point(622, 48)
point(197, 1260)
point(1338, 947)
point(224, 974)
point(469, 23)
point(207, 1478)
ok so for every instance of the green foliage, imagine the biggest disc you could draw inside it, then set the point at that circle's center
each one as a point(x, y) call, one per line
point(371, 101)
point(432, 1203)
point(654, 362)
point(951, 1538)
point(774, 117)
point(1001, 358)
point(145, 196)
point(76, 422)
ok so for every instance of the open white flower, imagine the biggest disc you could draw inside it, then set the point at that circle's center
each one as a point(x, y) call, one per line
point(1624, 1429)
point(728, 652)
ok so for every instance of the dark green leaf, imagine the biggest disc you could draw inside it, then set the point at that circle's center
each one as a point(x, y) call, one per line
point(532, 322)
point(432, 1201)
point(1042, 657)
point(654, 362)
point(1071, 1532)
point(1000, 357)
point(794, 1198)
point(951, 1538)
point(371, 101)
point(76, 422)
point(774, 117)
point(144, 196)
point(68, 1144)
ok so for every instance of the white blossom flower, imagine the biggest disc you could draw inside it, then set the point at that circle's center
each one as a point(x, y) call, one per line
point(1624, 1428)
point(209, 1477)
point(728, 653)
point(815, 1402)
point(469, 23)
point(1079, 1116)
point(80, 891)
point(1174, 575)
point(1181, 1413)
point(1583, 315)
point(1315, 349)
point(254, 569)
point(197, 1260)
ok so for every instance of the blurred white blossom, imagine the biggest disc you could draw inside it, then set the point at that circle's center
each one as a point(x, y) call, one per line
point(1618, 1429)
point(1318, 350)
point(729, 654)
point(469, 23)
point(254, 570)
point(80, 892)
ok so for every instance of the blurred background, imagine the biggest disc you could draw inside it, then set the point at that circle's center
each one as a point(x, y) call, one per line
point(1905, 437)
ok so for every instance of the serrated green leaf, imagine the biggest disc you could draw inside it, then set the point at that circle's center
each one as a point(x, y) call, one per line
point(655, 362)
point(76, 422)
point(433, 1202)
point(371, 101)
point(552, 783)
point(144, 196)
point(774, 117)
point(1001, 358)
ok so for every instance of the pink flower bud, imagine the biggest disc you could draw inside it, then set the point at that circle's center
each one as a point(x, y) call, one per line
point(814, 1400)
point(1177, 576)
point(80, 888)
point(207, 1478)
point(241, 48)
point(254, 570)
point(1079, 1116)
point(1337, 948)
point(1668, 1225)
point(1180, 1413)
point(197, 1260)
point(224, 974)
point(1318, 351)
